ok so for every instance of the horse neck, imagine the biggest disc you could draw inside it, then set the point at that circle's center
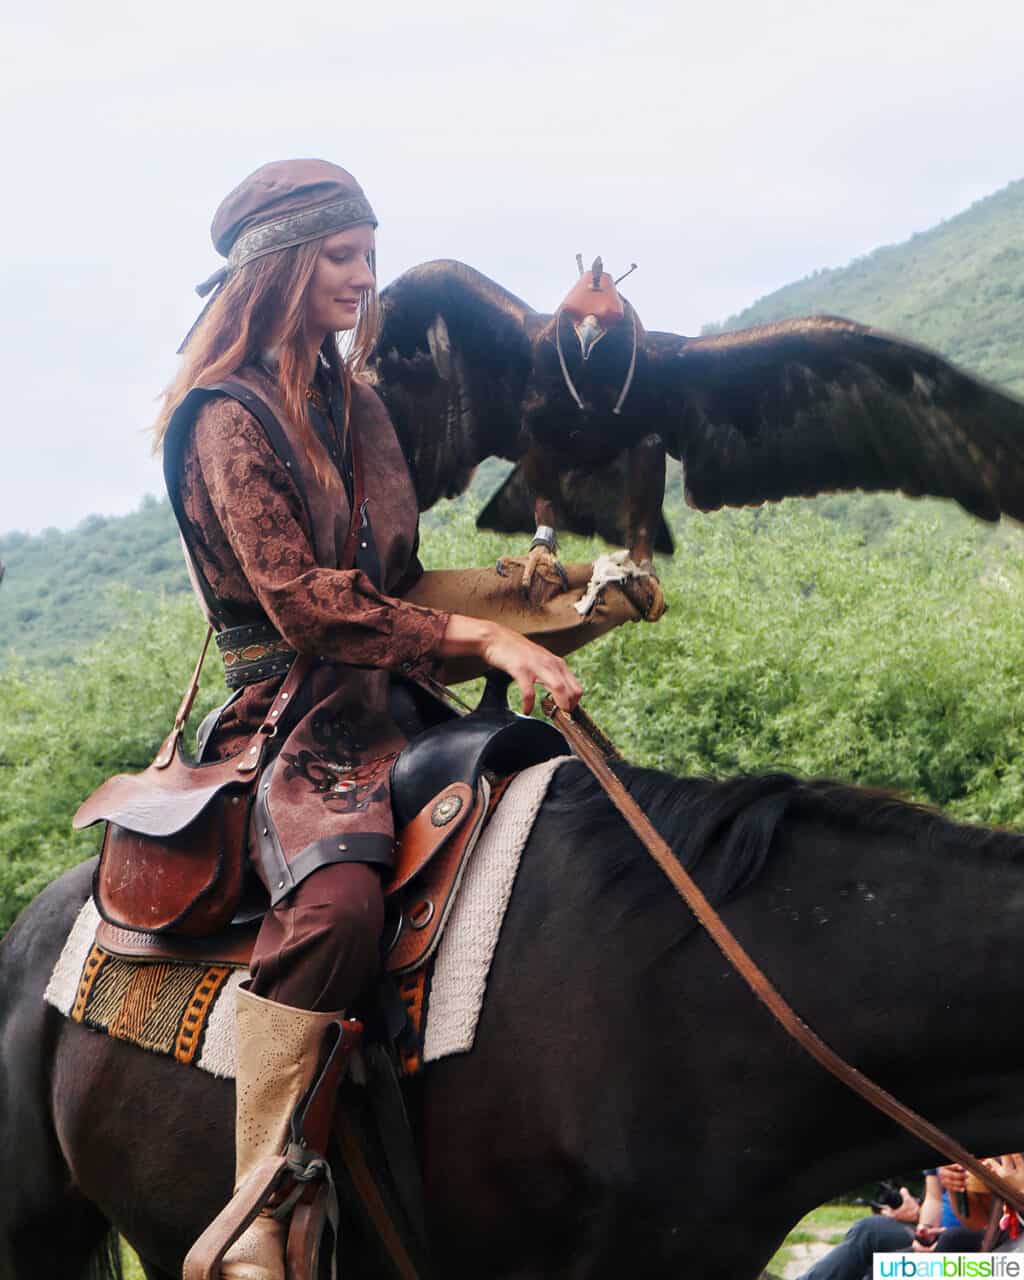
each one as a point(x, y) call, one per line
point(896, 940)
point(902, 954)
point(889, 923)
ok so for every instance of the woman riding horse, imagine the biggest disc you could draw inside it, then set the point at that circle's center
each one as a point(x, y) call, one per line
point(264, 534)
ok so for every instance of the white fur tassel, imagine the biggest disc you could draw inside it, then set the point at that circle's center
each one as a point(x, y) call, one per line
point(613, 567)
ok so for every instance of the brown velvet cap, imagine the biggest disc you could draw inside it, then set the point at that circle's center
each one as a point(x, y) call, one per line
point(283, 187)
point(284, 203)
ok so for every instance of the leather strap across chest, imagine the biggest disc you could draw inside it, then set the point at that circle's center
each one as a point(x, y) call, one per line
point(584, 746)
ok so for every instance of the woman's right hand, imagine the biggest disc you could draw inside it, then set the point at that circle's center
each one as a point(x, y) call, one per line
point(527, 663)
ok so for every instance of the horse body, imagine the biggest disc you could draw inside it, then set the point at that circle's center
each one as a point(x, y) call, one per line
point(628, 1103)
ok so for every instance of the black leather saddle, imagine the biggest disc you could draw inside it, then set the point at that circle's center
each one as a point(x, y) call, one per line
point(490, 738)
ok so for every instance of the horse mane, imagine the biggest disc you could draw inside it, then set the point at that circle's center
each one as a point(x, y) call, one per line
point(736, 820)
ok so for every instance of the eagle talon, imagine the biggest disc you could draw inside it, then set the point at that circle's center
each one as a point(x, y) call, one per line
point(645, 594)
point(543, 576)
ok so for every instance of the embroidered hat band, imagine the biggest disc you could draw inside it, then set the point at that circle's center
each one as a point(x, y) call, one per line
point(283, 204)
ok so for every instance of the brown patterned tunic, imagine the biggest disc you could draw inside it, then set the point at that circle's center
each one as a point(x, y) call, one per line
point(324, 799)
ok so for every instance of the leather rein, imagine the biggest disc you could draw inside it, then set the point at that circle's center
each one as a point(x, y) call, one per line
point(583, 737)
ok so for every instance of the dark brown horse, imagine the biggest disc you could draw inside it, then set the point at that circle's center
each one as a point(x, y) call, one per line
point(628, 1107)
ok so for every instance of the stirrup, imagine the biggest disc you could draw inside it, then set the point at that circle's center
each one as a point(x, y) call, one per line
point(290, 1174)
point(265, 1180)
point(305, 1236)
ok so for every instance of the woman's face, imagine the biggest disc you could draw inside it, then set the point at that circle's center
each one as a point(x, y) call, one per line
point(340, 278)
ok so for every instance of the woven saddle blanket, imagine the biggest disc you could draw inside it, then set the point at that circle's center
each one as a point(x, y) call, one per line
point(186, 1011)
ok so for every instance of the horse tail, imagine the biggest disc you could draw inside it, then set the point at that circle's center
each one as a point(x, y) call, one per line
point(105, 1262)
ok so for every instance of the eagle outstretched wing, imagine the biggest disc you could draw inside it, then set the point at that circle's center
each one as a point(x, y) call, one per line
point(820, 404)
point(452, 364)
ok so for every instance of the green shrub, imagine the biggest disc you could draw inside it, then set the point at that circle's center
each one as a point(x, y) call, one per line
point(883, 650)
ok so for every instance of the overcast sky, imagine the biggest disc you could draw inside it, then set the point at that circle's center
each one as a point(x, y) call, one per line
point(727, 147)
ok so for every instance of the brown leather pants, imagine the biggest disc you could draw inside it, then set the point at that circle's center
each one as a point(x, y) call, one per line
point(320, 947)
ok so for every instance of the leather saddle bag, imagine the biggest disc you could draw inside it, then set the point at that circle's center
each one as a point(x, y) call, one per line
point(173, 855)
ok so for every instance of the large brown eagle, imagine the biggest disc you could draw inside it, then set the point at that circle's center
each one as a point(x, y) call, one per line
point(587, 403)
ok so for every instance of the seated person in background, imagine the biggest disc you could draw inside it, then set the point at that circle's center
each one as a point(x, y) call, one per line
point(913, 1224)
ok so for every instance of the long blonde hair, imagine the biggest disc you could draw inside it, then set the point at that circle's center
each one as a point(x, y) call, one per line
point(264, 302)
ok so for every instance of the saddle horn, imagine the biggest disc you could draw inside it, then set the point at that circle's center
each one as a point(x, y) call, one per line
point(495, 694)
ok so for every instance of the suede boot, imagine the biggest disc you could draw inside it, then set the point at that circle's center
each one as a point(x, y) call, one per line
point(277, 1055)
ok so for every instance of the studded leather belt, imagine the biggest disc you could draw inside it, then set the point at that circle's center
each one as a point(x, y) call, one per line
point(253, 652)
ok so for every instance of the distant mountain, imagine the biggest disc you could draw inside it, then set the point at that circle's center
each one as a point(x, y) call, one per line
point(57, 592)
point(958, 288)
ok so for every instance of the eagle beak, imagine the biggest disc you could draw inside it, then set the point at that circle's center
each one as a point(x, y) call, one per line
point(590, 331)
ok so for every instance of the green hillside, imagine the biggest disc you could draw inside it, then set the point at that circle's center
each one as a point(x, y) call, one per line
point(63, 589)
point(789, 642)
point(958, 288)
